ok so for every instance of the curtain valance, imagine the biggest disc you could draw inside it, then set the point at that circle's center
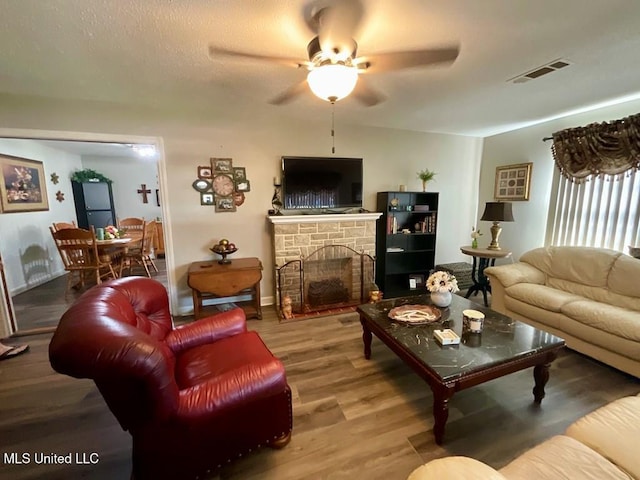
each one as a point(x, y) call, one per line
point(610, 148)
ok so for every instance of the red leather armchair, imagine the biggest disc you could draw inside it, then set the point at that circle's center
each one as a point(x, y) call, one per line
point(193, 398)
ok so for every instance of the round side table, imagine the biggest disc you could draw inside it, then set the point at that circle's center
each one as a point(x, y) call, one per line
point(482, 258)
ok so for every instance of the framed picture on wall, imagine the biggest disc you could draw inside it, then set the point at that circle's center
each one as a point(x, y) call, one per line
point(222, 165)
point(225, 204)
point(23, 187)
point(513, 182)
point(206, 199)
point(204, 172)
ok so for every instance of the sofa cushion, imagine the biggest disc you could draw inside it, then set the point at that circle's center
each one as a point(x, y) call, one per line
point(608, 318)
point(585, 265)
point(455, 468)
point(599, 294)
point(622, 274)
point(613, 431)
point(562, 457)
point(541, 296)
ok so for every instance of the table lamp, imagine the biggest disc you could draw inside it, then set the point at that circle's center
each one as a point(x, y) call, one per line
point(496, 212)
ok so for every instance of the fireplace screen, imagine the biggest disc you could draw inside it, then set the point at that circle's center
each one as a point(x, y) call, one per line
point(333, 276)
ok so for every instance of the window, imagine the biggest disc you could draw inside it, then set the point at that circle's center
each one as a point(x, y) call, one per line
point(601, 212)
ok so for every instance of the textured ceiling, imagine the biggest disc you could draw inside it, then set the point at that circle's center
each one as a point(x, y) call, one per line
point(155, 53)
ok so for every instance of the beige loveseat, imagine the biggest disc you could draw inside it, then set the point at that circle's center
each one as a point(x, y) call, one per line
point(602, 445)
point(588, 296)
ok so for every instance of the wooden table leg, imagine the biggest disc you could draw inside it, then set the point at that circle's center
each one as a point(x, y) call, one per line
point(366, 339)
point(441, 397)
point(256, 294)
point(541, 377)
point(197, 303)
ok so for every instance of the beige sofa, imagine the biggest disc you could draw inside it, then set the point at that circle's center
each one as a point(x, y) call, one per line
point(602, 445)
point(588, 296)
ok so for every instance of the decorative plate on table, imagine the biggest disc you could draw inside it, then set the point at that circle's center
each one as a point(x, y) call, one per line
point(415, 314)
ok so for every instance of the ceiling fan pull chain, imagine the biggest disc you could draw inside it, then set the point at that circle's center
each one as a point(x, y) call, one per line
point(333, 132)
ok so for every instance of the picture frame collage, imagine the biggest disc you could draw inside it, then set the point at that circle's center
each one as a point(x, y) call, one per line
point(513, 182)
point(222, 185)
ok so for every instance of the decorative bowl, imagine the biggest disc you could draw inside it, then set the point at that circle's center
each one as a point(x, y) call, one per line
point(634, 251)
point(223, 252)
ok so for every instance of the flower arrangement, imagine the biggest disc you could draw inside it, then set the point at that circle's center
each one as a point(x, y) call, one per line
point(442, 282)
point(475, 234)
point(112, 232)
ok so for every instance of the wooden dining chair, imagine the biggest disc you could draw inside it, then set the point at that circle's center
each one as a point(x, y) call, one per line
point(78, 249)
point(132, 226)
point(62, 225)
point(141, 255)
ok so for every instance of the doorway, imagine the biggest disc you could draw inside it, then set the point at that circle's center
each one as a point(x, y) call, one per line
point(32, 266)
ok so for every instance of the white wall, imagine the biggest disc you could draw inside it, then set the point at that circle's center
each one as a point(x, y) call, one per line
point(526, 145)
point(128, 174)
point(20, 231)
point(391, 157)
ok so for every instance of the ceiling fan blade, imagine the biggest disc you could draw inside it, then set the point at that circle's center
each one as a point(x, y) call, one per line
point(367, 95)
point(291, 62)
point(385, 62)
point(290, 93)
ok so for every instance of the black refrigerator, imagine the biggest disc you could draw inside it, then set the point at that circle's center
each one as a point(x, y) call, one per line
point(94, 204)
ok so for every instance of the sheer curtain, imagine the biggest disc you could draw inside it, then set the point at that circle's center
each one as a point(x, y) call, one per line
point(595, 199)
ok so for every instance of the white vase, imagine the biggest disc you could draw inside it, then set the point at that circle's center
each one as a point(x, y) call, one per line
point(441, 299)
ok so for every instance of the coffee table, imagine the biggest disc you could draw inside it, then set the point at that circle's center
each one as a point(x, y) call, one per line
point(504, 346)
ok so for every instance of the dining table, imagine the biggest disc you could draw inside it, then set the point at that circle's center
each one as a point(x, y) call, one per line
point(113, 250)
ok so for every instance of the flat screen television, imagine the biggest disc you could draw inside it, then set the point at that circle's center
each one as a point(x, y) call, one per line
point(321, 183)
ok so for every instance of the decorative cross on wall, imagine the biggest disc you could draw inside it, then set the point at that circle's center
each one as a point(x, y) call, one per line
point(144, 192)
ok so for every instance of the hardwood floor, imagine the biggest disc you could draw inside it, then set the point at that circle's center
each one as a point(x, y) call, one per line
point(42, 307)
point(353, 418)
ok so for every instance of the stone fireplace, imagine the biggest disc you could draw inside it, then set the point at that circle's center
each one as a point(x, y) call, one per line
point(324, 263)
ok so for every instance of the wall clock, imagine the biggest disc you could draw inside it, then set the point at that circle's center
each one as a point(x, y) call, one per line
point(223, 185)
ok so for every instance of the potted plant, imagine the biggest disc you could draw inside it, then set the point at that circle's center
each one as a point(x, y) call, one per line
point(88, 175)
point(426, 175)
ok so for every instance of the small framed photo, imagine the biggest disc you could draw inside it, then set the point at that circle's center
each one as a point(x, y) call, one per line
point(416, 281)
point(206, 199)
point(204, 172)
point(513, 182)
point(222, 165)
point(239, 174)
point(225, 204)
point(243, 186)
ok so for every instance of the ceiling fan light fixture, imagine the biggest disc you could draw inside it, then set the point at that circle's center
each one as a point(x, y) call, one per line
point(332, 82)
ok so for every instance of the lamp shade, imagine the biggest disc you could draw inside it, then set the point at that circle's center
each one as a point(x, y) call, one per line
point(332, 82)
point(497, 212)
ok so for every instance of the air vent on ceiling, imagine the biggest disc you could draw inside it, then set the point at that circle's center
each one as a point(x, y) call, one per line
point(540, 71)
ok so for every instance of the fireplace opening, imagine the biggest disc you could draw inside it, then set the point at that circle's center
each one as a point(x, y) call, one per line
point(332, 278)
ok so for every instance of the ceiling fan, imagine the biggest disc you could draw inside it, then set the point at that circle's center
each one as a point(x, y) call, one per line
point(333, 65)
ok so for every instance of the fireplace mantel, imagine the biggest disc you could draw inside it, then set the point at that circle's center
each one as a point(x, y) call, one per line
point(328, 218)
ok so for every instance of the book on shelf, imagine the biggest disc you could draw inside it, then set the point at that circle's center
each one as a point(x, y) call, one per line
point(395, 249)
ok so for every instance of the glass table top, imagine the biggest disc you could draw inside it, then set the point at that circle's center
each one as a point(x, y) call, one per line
point(502, 339)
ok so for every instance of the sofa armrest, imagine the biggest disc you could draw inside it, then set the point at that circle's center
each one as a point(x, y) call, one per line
point(519, 272)
point(207, 330)
point(455, 468)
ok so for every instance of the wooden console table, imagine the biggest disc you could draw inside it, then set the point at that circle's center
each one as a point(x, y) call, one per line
point(212, 279)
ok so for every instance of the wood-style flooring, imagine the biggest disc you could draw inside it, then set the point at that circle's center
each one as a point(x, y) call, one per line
point(42, 306)
point(353, 418)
